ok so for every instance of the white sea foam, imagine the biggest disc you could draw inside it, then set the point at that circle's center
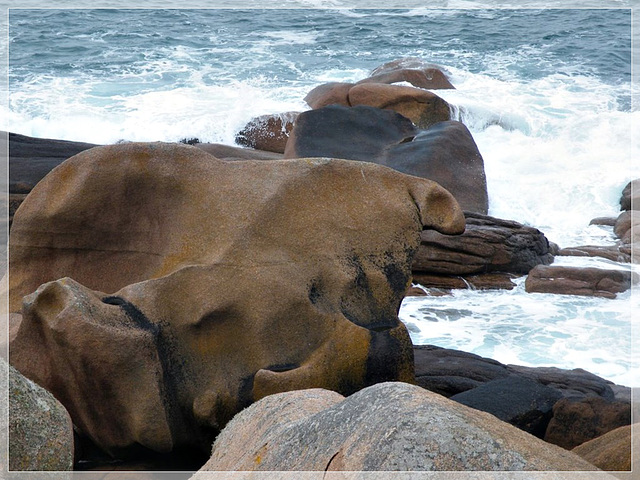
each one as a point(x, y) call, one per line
point(557, 150)
point(531, 329)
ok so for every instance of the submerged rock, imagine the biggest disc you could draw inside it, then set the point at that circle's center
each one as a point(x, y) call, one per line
point(386, 427)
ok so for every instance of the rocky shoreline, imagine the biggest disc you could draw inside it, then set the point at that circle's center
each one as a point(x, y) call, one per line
point(252, 296)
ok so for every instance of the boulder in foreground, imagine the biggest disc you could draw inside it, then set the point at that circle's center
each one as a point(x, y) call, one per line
point(386, 427)
point(40, 429)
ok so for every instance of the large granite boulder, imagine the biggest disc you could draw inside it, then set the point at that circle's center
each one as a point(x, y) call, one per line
point(487, 245)
point(445, 153)
point(40, 429)
point(223, 282)
point(387, 427)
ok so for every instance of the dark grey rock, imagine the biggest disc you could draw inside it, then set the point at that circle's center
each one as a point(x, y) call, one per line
point(445, 152)
point(449, 372)
point(522, 402)
point(30, 159)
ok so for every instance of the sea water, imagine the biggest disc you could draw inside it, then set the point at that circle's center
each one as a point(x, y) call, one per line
point(546, 94)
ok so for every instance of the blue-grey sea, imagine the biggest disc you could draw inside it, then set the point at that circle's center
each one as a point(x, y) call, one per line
point(545, 92)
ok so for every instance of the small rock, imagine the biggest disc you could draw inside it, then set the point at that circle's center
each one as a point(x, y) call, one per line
point(268, 132)
point(563, 280)
point(630, 199)
point(616, 253)
point(576, 422)
point(40, 429)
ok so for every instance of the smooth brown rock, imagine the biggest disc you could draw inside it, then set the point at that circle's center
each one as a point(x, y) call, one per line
point(386, 427)
point(611, 451)
point(428, 78)
point(422, 107)
point(488, 244)
point(223, 282)
point(576, 422)
point(334, 93)
point(589, 281)
point(268, 132)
